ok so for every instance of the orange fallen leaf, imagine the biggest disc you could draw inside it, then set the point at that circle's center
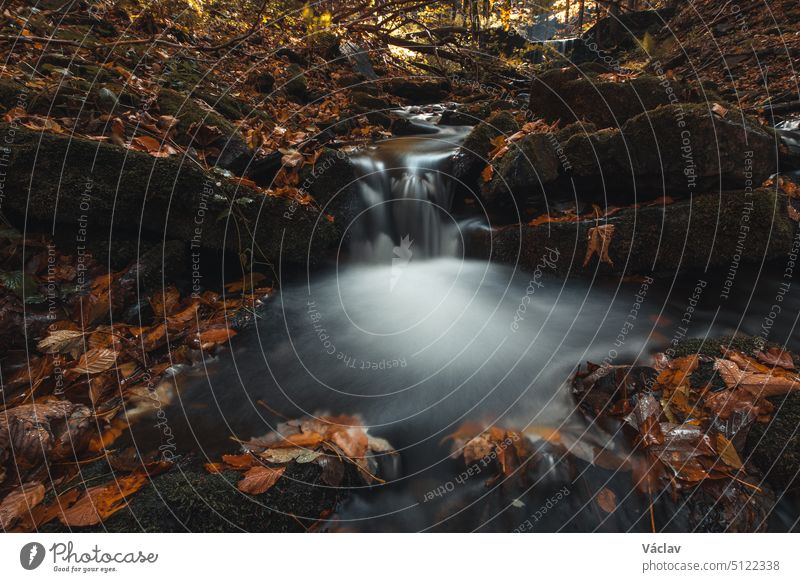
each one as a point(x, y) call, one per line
point(101, 502)
point(19, 503)
point(260, 479)
point(607, 500)
point(599, 243)
point(487, 173)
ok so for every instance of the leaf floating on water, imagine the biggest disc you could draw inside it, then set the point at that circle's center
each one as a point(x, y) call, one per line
point(260, 479)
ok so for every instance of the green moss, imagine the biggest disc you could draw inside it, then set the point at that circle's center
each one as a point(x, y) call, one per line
point(774, 447)
point(189, 112)
point(187, 498)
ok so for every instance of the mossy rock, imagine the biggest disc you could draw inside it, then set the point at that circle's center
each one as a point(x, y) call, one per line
point(472, 156)
point(189, 499)
point(189, 112)
point(657, 239)
point(572, 94)
point(295, 83)
point(50, 179)
point(774, 447)
point(10, 94)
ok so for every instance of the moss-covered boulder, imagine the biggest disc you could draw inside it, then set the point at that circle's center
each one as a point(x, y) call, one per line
point(706, 230)
point(417, 90)
point(774, 447)
point(675, 150)
point(189, 499)
point(574, 94)
point(93, 189)
point(192, 114)
point(472, 157)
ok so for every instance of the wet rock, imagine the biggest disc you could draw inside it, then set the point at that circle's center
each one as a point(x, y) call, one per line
point(625, 31)
point(774, 447)
point(10, 93)
point(331, 181)
point(296, 84)
point(472, 157)
point(675, 150)
point(50, 180)
point(573, 94)
point(418, 91)
point(263, 81)
point(188, 498)
point(655, 239)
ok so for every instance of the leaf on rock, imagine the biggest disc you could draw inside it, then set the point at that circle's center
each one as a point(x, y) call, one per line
point(607, 500)
point(599, 243)
point(101, 502)
point(260, 479)
point(62, 341)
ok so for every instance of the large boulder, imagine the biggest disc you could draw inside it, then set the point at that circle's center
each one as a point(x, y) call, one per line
point(94, 190)
point(774, 447)
point(579, 94)
point(703, 231)
point(418, 90)
point(675, 150)
point(472, 157)
point(192, 114)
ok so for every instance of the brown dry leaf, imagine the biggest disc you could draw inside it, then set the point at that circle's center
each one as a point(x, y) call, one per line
point(607, 500)
point(292, 159)
point(164, 302)
point(776, 357)
point(101, 502)
point(96, 361)
point(719, 109)
point(214, 468)
point(214, 336)
point(154, 147)
point(259, 479)
point(352, 441)
point(599, 243)
point(19, 503)
point(487, 173)
point(793, 214)
point(62, 341)
point(759, 384)
point(243, 461)
point(727, 452)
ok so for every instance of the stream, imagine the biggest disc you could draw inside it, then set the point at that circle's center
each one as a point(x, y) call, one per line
point(405, 331)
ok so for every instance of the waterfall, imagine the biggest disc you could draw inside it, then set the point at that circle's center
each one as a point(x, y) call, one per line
point(406, 194)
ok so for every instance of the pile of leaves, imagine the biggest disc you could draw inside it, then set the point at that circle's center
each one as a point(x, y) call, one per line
point(334, 443)
point(76, 371)
point(688, 417)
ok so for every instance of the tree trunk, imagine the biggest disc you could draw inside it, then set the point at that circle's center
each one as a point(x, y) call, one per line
point(581, 8)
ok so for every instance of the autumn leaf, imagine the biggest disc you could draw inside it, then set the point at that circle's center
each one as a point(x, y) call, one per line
point(487, 173)
point(776, 357)
point(154, 147)
point(607, 500)
point(19, 503)
point(727, 452)
point(260, 479)
point(101, 502)
point(599, 243)
point(62, 341)
point(96, 361)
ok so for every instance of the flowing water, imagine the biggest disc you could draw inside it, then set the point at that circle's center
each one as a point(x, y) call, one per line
point(417, 339)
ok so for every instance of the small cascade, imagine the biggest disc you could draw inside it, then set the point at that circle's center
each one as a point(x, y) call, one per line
point(406, 194)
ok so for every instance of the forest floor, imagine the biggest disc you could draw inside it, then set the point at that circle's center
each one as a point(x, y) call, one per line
point(118, 139)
